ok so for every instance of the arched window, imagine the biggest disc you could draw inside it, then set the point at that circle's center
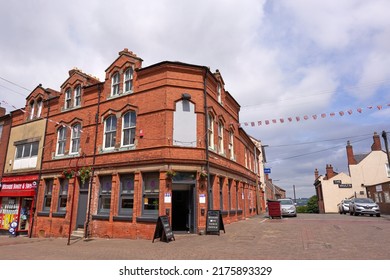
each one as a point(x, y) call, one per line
point(109, 132)
point(128, 128)
point(75, 139)
point(220, 138)
point(210, 131)
point(39, 107)
point(32, 109)
point(115, 84)
point(77, 96)
point(128, 80)
point(61, 140)
point(68, 98)
point(231, 144)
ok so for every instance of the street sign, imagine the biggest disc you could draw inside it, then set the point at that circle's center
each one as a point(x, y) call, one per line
point(267, 170)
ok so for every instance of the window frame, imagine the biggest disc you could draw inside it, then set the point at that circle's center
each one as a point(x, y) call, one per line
point(231, 144)
point(125, 194)
point(63, 195)
point(210, 132)
point(68, 98)
point(219, 93)
point(77, 96)
point(21, 149)
point(75, 138)
point(39, 107)
point(221, 148)
point(111, 132)
point(150, 193)
point(48, 195)
point(61, 141)
point(128, 80)
point(32, 110)
point(115, 82)
point(104, 196)
point(131, 129)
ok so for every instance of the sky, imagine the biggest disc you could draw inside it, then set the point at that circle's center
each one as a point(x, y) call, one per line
point(279, 59)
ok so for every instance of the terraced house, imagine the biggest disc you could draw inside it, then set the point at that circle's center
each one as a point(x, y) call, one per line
point(145, 142)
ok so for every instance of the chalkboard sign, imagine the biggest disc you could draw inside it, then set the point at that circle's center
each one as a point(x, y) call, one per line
point(214, 222)
point(163, 229)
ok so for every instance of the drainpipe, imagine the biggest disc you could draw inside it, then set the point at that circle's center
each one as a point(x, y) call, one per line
point(209, 188)
point(40, 168)
point(93, 164)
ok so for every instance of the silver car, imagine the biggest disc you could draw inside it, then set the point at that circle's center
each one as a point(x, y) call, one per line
point(344, 206)
point(288, 207)
point(361, 206)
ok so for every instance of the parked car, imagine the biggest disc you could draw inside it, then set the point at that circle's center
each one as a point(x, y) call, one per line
point(288, 207)
point(344, 206)
point(361, 206)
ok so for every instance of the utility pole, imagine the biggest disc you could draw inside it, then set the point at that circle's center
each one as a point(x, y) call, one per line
point(295, 198)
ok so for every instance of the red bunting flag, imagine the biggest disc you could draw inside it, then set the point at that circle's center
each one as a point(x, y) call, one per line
point(306, 117)
point(359, 110)
point(298, 119)
point(315, 117)
point(252, 123)
point(246, 124)
point(379, 107)
point(332, 114)
point(259, 123)
point(341, 113)
point(349, 112)
point(267, 122)
point(369, 107)
point(282, 120)
point(323, 115)
point(289, 119)
point(274, 121)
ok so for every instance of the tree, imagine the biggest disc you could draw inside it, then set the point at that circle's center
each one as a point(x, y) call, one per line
point(312, 205)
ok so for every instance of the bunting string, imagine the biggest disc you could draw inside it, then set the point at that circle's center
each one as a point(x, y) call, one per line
point(308, 117)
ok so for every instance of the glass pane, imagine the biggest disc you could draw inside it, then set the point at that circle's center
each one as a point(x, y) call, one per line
point(127, 184)
point(19, 151)
point(151, 203)
point(34, 149)
point(126, 137)
point(62, 202)
point(27, 150)
point(47, 204)
point(105, 202)
point(127, 203)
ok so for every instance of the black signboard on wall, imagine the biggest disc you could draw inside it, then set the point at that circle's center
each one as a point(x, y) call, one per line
point(214, 222)
point(163, 229)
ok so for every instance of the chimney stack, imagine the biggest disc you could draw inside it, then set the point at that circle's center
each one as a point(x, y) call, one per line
point(329, 171)
point(316, 174)
point(376, 146)
point(350, 157)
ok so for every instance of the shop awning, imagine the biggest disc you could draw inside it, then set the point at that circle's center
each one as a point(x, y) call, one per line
point(24, 185)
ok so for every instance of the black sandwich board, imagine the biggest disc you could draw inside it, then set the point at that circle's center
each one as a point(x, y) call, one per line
point(163, 230)
point(214, 222)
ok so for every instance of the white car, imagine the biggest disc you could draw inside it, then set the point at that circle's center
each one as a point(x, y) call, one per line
point(288, 207)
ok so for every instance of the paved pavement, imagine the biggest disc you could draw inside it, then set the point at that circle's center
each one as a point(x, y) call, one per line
point(307, 237)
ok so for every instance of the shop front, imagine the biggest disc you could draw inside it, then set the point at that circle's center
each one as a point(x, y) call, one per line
point(17, 195)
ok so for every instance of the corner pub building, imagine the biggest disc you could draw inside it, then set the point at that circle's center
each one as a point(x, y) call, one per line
point(146, 142)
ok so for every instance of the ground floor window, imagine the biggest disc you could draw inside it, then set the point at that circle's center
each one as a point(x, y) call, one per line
point(105, 194)
point(48, 195)
point(63, 195)
point(150, 193)
point(126, 195)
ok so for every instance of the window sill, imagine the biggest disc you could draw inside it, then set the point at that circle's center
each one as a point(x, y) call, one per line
point(123, 218)
point(224, 212)
point(147, 219)
point(239, 212)
point(101, 217)
point(232, 212)
point(43, 214)
point(59, 214)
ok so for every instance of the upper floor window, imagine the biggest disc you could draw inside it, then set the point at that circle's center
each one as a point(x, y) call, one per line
point(32, 109)
point(219, 93)
point(128, 81)
point(77, 96)
point(231, 144)
point(115, 84)
point(75, 143)
point(128, 124)
point(61, 140)
point(68, 98)
point(220, 138)
point(110, 132)
point(1, 129)
point(210, 127)
point(39, 107)
point(27, 150)
point(387, 170)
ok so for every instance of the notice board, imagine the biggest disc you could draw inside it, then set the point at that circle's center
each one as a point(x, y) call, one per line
point(214, 222)
point(163, 229)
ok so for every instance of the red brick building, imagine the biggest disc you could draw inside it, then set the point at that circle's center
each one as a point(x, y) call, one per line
point(145, 142)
